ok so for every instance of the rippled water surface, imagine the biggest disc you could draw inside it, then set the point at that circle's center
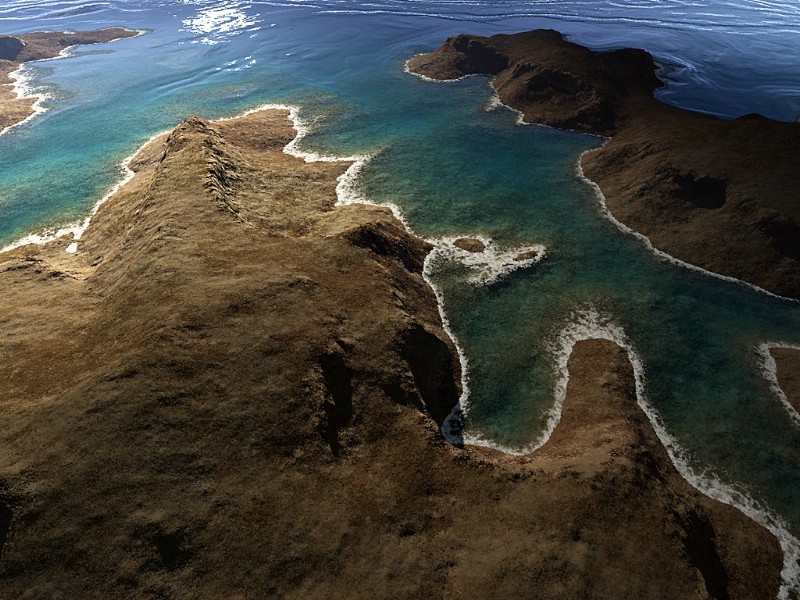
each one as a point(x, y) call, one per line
point(455, 164)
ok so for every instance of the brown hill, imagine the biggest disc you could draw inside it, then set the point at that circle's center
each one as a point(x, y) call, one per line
point(228, 391)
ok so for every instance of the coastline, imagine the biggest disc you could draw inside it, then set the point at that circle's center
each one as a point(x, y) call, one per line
point(20, 92)
point(692, 202)
point(207, 428)
point(586, 326)
point(660, 254)
point(77, 229)
point(497, 102)
point(772, 354)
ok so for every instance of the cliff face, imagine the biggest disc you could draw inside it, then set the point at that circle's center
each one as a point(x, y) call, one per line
point(228, 392)
point(715, 193)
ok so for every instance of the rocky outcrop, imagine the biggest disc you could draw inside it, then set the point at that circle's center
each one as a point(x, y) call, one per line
point(10, 47)
point(232, 390)
point(549, 79)
point(15, 50)
point(716, 193)
point(470, 244)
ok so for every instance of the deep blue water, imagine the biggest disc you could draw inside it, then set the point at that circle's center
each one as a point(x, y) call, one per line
point(342, 62)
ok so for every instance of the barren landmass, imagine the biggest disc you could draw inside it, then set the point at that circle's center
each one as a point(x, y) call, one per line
point(720, 194)
point(787, 361)
point(470, 244)
point(232, 390)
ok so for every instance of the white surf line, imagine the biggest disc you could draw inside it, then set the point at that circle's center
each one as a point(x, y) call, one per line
point(495, 102)
point(24, 90)
point(769, 369)
point(587, 325)
point(407, 69)
point(660, 254)
point(77, 229)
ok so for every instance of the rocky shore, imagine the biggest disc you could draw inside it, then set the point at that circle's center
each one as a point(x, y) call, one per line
point(232, 390)
point(18, 49)
point(719, 194)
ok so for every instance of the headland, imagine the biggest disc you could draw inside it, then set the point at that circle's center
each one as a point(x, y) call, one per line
point(715, 193)
point(41, 45)
point(233, 389)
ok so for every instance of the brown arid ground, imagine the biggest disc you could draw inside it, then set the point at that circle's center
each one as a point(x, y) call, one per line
point(15, 50)
point(720, 194)
point(787, 361)
point(232, 389)
point(470, 244)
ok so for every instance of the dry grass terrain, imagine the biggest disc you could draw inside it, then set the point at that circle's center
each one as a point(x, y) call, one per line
point(232, 389)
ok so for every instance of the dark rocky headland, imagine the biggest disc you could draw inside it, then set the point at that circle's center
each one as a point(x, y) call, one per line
point(232, 390)
point(720, 194)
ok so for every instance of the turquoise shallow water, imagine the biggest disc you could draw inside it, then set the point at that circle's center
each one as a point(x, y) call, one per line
point(455, 166)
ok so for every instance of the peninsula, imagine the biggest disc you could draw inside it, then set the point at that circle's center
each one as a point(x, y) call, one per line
point(232, 389)
point(18, 49)
point(719, 194)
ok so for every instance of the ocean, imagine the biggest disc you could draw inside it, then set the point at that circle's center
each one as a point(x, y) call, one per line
point(454, 162)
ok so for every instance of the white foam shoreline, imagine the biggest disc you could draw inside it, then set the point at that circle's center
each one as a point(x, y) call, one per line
point(24, 91)
point(660, 254)
point(77, 229)
point(588, 326)
point(23, 88)
point(407, 69)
